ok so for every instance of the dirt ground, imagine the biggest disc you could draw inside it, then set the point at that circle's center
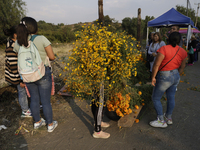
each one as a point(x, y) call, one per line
point(75, 128)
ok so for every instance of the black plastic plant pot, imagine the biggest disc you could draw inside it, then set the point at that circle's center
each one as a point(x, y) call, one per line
point(112, 115)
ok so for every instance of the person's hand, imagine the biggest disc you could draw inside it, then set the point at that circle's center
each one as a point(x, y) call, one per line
point(153, 81)
point(22, 85)
point(154, 54)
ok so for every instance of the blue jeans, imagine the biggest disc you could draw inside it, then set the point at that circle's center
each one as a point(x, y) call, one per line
point(166, 81)
point(41, 91)
point(22, 97)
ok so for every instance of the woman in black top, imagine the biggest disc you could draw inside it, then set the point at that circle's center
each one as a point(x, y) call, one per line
point(193, 44)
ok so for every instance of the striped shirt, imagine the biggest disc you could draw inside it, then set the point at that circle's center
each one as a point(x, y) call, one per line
point(11, 72)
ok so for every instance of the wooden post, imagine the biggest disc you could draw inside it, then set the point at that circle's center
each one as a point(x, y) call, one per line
point(139, 25)
point(100, 4)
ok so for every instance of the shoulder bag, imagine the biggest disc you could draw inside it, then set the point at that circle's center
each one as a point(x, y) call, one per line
point(150, 57)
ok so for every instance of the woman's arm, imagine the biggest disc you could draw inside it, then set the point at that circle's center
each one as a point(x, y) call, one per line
point(49, 52)
point(156, 65)
point(180, 70)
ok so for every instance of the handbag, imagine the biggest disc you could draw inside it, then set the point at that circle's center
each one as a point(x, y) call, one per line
point(150, 58)
point(191, 51)
point(170, 60)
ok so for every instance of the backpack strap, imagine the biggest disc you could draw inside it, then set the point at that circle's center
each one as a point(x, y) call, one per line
point(47, 58)
point(33, 37)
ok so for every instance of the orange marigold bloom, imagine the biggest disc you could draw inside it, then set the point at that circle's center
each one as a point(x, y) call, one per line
point(136, 107)
point(110, 105)
point(126, 105)
point(125, 109)
point(140, 93)
point(143, 104)
point(136, 120)
point(117, 103)
point(109, 109)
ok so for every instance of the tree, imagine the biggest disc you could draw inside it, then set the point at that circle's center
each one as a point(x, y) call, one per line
point(111, 24)
point(11, 12)
point(183, 10)
point(130, 25)
point(191, 14)
point(146, 20)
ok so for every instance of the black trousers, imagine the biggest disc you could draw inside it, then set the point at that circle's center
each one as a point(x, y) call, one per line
point(191, 56)
point(97, 111)
point(195, 56)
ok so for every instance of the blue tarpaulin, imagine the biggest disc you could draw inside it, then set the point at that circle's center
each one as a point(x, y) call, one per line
point(171, 17)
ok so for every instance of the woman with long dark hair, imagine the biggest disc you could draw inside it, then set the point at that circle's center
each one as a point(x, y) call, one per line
point(154, 46)
point(40, 90)
point(169, 64)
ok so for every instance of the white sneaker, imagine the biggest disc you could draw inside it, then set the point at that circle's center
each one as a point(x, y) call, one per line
point(26, 114)
point(169, 121)
point(158, 123)
point(41, 123)
point(51, 128)
point(101, 134)
point(104, 124)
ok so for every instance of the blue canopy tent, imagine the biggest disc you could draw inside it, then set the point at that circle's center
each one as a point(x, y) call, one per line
point(171, 17)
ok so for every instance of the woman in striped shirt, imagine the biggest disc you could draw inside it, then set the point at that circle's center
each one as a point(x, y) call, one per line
point(11, 72)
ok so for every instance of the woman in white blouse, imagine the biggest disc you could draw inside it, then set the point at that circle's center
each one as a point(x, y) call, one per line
point(154, 46)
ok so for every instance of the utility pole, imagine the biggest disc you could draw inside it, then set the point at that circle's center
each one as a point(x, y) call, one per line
point(187, 6)
point(139, 25)
point(197, 13)
point(100, 4)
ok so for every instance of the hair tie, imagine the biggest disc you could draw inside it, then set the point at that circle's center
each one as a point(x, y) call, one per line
point(23, 22)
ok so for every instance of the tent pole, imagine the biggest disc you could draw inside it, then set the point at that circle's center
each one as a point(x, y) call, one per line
point(188, 35)
point(147, 35)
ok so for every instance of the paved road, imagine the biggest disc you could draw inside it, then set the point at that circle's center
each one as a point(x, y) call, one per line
point(184, 134)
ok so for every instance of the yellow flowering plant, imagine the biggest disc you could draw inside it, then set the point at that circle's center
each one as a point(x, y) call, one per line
point(100, 56)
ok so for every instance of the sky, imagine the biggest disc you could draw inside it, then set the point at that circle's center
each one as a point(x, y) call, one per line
point(75, 11)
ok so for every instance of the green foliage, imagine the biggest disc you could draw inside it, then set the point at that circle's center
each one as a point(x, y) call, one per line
point(11, 11)
point(145, 22)
point(77, 27)
point(143, 73)
point(56, 33)
point(111, 24)
point(146, 93)
point(130, 26)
